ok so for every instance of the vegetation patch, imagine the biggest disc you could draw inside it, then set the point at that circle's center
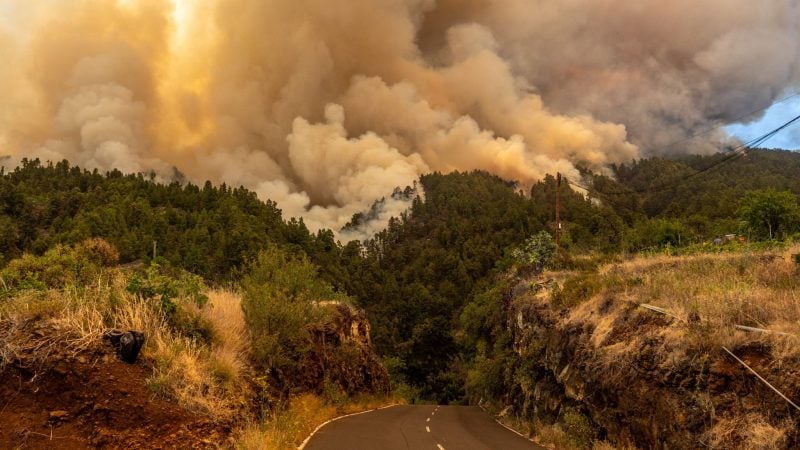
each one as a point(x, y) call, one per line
point(222, 355)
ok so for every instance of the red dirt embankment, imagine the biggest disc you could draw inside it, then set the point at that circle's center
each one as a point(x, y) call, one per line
point(93, 400)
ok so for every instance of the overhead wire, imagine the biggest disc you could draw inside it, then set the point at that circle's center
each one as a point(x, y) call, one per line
point(734, 153)
point(716, 127)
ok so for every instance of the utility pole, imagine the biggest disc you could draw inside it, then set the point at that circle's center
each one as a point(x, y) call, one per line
point(154, 250)
point(558, 209)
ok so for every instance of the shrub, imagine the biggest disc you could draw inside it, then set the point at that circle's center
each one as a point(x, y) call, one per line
point(99, 251)
point(576, 290)
point(578, 428)
point(58, 267)
point(279, 296)
point(536, 251)
point(158, 282)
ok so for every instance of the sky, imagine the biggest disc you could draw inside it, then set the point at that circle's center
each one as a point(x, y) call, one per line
point(775, 116)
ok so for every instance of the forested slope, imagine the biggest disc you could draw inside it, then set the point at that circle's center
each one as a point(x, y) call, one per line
point(415, 278)
point(208, 230)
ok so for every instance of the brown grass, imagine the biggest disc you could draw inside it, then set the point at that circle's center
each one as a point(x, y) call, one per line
point(288, 426)
point(552, 436)
point(753, 289)
point(750, 429)
point(224, 312)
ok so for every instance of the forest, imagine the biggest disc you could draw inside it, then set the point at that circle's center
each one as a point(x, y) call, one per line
point(430, 281)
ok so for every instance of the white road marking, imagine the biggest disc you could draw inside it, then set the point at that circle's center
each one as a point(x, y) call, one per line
point(506, 426)
point(427, 428)
point(440, 446)
point(308, 438)
point(428, 419)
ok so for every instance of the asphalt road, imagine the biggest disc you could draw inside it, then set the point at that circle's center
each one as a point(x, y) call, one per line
point(418, 427)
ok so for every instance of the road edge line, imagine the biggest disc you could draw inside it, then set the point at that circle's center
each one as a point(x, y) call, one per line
point(509, 428)
point(308, 438)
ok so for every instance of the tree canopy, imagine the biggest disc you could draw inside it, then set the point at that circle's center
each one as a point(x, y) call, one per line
point(431, 281)
point(768, 212)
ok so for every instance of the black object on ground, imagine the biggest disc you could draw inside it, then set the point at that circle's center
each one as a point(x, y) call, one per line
point(127, 344)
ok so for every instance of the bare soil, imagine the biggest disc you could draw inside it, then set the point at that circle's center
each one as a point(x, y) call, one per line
point(93, 400)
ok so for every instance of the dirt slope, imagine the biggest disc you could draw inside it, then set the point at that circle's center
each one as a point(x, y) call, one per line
point(93, 400)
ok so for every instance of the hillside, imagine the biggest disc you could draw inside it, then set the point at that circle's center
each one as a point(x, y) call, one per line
point(210, 231)
point(218, 367)
point(433, 286)
point(699, 195)
point(635, 352)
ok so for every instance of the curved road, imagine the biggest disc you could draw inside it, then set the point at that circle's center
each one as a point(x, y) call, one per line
point(418, 427)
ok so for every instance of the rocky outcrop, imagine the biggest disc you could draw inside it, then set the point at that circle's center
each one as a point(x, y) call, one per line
point(607, 372)
point(341, 354)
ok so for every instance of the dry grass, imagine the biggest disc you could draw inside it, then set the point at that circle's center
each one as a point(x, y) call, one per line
point(287, 427)
point(750, 429)
point(207, 379)
point(740, 289)
point(37, 325)
point(552, 436)
point(753, 289)
point(224, 312)
point(204, 378)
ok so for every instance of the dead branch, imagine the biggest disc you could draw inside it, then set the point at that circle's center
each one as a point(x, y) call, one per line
point(762, 330)
point(660, 311)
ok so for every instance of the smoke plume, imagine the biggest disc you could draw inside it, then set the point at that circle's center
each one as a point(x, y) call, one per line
point(326, 108)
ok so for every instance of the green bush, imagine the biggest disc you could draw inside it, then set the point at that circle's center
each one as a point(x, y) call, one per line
point(576, 290)
point(279, 295)
point(536, 251)
point(57, 268)
point(159, 282)
point(578, 427)
point(194, 324)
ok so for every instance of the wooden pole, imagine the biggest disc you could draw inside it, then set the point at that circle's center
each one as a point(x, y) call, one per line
point(558, 209)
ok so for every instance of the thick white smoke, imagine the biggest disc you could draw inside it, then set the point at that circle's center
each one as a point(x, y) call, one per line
point(326, 108)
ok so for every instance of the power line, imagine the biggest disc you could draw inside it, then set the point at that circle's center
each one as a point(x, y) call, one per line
point(735, 153)
point(709, 130)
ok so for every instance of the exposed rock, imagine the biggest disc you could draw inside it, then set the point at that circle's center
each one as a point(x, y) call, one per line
point(630, 388)
point(342, 354)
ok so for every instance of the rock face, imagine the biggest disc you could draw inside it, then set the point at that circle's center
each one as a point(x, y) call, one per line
point(341, 354)
point(607, 373)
